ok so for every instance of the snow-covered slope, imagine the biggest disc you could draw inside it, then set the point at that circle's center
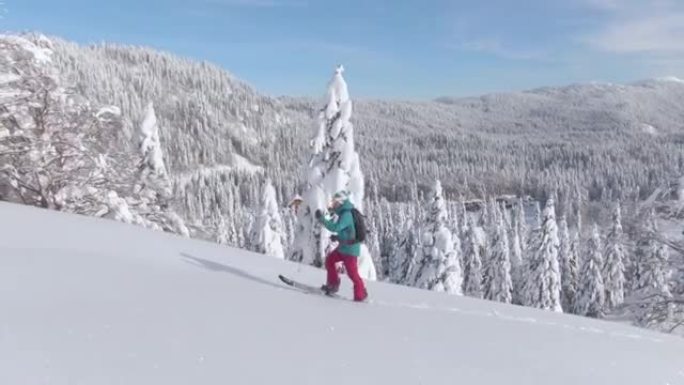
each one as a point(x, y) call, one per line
point(88, 301)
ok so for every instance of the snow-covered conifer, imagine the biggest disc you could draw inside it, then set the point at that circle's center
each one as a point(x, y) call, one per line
point(516, 264)
point(568, 266)
point(154, 184)
point(440, 268)
point(492, 214)
point(570, 285)
point(652, 290)
point(463, 229)
point(591, 293)
point(221, 231)
point(655, 289)
point(404, 256)
point(152, 168)
point(499, 286)
point(334, 167)
point(267, 234)
point(543, 283)
point(643, 254)
point(472, 261)
point(521, 223)
point(614, 267)
point(374, 249)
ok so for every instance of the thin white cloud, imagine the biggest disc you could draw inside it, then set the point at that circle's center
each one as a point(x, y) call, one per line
point(630, 6)
point(258, 3)
point(631, 27)
point(663, 34)
point(606, 5)
point(496, 47)
point(467, 36)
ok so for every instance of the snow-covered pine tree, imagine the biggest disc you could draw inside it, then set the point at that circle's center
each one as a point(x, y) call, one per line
point(376, 216)
point(643, 254)
point(392, 236)
point(568, 265)
point(440, 268)
point(451, 277)
point(244, 224)
point(425, 271)
point(234, 235)
point(652, 291)
point(373, 242)
point(463, 229)
point(655, 290)
point(289, 223)
point(516, 263)
point(543, 283)
point(405, 254)
point(221, 230)
point(521, 223)
point(267, 234)
point(578, 203)
point(591, 291)
point(499, 286)
point(153, 174)
point(415, 202)
point(570, 287)
point(334, 166)
point(472, 261)
point(156, 195)
point(492, 215)
point(614, 267)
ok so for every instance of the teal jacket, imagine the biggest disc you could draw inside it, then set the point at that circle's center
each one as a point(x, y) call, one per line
point(344, 227)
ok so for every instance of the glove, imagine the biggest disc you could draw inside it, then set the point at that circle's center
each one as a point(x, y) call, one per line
point(334, 238)
point(318, 214)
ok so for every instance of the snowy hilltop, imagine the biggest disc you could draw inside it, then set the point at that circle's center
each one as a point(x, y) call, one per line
point(100, 302)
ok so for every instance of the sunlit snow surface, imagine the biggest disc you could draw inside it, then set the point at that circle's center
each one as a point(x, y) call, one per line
point(86, 301)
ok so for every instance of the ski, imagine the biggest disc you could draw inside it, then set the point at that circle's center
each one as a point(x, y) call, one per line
point(315, 290)
point(307, 288)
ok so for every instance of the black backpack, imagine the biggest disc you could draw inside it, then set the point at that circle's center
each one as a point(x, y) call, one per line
point(359, 225)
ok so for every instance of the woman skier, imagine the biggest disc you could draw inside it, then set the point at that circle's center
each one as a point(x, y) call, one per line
point(348, 249)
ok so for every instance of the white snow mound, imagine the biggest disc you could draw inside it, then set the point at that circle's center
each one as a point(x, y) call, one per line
point(8, 78)
point(648, 129)
point(91, 301)
point(108, 110)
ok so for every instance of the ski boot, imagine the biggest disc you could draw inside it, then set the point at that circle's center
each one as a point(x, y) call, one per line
point(329, 290)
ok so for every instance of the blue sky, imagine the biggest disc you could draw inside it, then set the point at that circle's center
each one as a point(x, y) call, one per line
point(395, 49)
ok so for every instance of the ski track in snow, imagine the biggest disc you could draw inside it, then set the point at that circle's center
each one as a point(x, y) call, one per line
point(503, 316)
